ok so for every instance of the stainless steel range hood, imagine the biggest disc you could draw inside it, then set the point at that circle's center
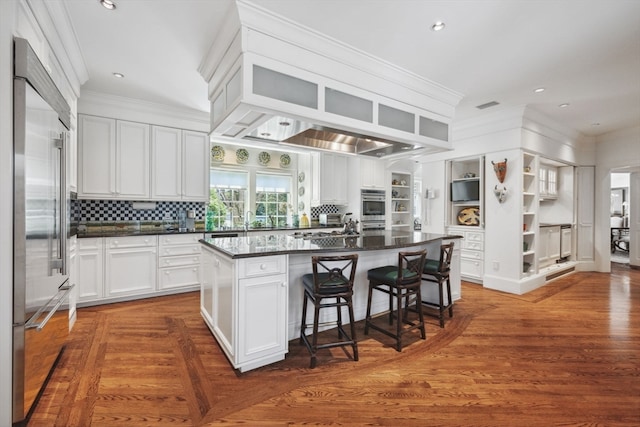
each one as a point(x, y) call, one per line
point(288, 131)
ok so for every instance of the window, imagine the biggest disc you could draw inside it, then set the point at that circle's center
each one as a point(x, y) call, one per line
point(228, 198)
point(273, 199)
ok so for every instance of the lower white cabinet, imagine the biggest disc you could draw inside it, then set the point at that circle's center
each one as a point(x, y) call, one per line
point(549, 247)
point(178, 261)
point(114, 269)
point(244, 303)
point(90, 269)
point(471, 252)
point(130, 265)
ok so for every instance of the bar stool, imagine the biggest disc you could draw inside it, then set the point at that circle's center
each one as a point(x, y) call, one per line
point(329, 281)
point(400, 282)
point(438, 272)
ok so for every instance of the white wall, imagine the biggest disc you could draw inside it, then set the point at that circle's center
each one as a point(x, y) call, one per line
point(614, 151)
point(7, 19)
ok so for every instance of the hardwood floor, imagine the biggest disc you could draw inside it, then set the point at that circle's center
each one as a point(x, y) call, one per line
point(566, 354)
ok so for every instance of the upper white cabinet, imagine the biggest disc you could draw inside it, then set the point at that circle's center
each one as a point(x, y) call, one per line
point(329, 179)
point(548, 181)
point(180, 164)
point(113, 159)
point(118, 159)
point(97, 157)
point(372, 174)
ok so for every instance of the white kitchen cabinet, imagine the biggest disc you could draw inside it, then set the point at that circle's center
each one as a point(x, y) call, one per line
point(244, 303)
point(114, 159)
point(329, 179)
point(97, 157)
point(90, 277)
point(132, 160)
point(565, 242)
point(179, 261)
point(548, 182)
point(72, 161)
point(549, 245)
point(179, 164)
point(130, 265)
point(471, 253)
point(72, 271)
point(372, 174)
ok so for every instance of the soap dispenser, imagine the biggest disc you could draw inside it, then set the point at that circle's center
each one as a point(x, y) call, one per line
point(304, 221)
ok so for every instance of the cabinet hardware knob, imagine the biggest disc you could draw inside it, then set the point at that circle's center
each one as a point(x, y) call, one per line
point(263, 266)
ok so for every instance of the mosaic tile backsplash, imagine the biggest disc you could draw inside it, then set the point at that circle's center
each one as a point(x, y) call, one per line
point(122, 210)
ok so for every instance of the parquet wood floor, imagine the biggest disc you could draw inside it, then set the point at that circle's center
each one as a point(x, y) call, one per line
point(567, 354)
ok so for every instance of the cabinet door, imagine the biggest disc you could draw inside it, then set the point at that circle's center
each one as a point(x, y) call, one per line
point(330, 171)
point(97, 157)
point(90, 270)
point(72, 161)
point(130, 271)
point(132, 160)
point(565, 242)
point(554, 243)
point(223, 305)
point(262, 321)
point(206, 286)
point(195, 166)
point(372, 174)
point(166, 163)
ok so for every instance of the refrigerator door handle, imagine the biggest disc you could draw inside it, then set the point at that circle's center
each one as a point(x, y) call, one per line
point(61, 262)
point(57, 301)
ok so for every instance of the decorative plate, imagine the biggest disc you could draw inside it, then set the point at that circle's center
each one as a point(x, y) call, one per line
point(301, 177)
point(217, 153)
point(264, 158)
point(469, 216)
point(242, 155)
point(301, 191)
point(300, 206)
point(285, 160)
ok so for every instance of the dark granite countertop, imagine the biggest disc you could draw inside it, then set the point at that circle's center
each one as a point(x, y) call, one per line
point(554, 224)
point(128, 229)
point(254, 246)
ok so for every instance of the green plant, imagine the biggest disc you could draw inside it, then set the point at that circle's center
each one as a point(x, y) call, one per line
point(218, 208)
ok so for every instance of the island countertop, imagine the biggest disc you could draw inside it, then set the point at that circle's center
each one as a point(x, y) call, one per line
point(255, 246)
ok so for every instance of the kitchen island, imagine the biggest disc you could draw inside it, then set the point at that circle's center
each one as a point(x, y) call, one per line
point(251, 291)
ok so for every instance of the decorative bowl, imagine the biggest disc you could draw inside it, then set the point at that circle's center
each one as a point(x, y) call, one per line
point(217, 153)
point(264, 158)
point(242, 155)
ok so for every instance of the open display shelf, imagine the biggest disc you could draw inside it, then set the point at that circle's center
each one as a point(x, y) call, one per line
point(401, 198)
point(529, 217)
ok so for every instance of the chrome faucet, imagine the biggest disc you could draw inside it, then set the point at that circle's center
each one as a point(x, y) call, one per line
point(246, 220)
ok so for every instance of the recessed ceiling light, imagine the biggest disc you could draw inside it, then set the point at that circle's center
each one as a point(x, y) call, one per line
point(283, 123)
point(438, 26)
point(118, 75)
point(565, 105)
point(539, 90)
point(595, 124)
point(108, 4)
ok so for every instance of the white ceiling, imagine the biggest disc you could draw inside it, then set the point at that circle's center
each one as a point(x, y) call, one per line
point(584, 52)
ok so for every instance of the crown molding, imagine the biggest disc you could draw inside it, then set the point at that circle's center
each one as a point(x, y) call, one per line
point(54, 22)
point(123, 108)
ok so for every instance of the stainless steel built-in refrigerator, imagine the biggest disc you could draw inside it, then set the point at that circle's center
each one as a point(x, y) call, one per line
point(40, 302)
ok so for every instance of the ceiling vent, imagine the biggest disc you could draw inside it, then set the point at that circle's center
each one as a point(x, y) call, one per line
point(487, 105)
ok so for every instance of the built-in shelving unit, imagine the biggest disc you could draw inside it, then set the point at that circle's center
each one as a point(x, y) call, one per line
point(529, 213)
point(401, 200)
point(466, 218)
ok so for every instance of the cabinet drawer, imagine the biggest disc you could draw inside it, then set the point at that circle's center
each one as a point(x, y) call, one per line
point(179, 276)
point(473, 245)
point(180, 239)
point(93, 243)
point(131, 242)
point(471, 268)
point(178, 261)
point(261, 266)
point(180, 250)
point(471, 254)
point(473, 236)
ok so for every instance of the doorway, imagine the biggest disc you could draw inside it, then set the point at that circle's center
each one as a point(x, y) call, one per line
point(619, 212)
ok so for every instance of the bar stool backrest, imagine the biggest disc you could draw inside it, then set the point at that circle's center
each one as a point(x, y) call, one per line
point(446, 252)
point(410, 266)
point(334, 274)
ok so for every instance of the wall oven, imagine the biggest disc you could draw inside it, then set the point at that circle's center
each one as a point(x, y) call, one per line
point(373, 204)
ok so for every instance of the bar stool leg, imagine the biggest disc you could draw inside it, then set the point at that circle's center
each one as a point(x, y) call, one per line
point(367, 318)
point(353, 330)
point(314, 346)
point(303, 325)
point(449, 294)
point(399, 321)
